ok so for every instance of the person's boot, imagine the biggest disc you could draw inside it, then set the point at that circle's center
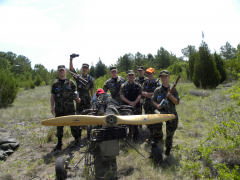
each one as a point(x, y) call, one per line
point(77, 141)
point(58, 147)
point(167, 152)
point(156, 153)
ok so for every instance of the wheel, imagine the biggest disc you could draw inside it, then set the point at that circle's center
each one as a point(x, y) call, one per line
point(61, 172)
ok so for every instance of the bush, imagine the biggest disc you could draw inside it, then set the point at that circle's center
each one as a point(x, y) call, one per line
point(8, 88)
point(27, 84)
point(205, 73)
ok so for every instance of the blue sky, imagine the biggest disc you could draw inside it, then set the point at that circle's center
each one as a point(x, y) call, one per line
point(48, 31)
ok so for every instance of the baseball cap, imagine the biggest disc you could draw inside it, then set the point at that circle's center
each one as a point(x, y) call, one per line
point(85, 65)
point(100, 91)
point(140, 68)
point(164, 72)
point(113, 68)
point(61, 67)
point(150, 70)
point(130, 72)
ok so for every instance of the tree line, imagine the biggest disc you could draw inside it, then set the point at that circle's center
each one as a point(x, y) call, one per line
point(203, 68)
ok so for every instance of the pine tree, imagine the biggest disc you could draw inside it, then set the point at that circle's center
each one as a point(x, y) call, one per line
point(205, 73)
point(220, 67)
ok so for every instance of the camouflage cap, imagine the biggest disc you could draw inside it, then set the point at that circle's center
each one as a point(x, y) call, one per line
point(140, 68)
point(164, 72)
point(85, 65)
point(130, 72)
point(61, 67)
point(113, 68)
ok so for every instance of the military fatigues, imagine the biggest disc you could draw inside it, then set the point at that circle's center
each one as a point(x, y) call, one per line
point(113, 85)
point(150, 87)
point(141, 80)
point(131, 92)
point(83, 92)
point(64, 94)
point(171, 126)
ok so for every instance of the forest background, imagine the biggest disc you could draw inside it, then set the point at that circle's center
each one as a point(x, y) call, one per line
point(200, 66)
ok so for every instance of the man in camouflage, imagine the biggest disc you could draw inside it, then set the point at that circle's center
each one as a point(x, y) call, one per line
point(161, 93)
point(130, 94)
point(141, 78)
point(149, 85)
point(63, 93)
point(113, 85)
point(83, 90)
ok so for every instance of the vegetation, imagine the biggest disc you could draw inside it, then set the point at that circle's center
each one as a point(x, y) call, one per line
point(206, 143)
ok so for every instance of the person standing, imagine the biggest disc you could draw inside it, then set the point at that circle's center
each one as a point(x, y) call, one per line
point(172, 99)
point(113, 85)
point(141, 78)
point(130, 94)
point(85, 91)
point(149, 85)
point(63, 93)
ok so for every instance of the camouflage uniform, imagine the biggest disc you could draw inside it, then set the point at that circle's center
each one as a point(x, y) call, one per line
point(131, 92)
point(83, 92)
point(141, 80)
point(150, 87)
point(171, 126)
point(113, 85)
point(64, 94)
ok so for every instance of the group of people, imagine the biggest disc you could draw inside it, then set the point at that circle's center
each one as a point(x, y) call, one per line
point(145, 94)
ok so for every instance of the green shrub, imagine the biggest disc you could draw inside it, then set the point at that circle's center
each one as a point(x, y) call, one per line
point(8, 88)
point(27, 84)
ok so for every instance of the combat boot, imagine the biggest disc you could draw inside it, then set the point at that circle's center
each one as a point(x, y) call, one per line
point(77, 141)
point(58, 147)
point(167, 152)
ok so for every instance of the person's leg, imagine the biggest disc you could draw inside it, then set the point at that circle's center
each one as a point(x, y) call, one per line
point(76, 133)
point(59, 136)
point(171, 127)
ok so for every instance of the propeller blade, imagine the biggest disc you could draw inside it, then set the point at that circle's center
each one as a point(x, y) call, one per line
point(144, 119)
point(75, 120)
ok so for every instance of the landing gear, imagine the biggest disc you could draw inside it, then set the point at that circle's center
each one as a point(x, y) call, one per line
point(60, 168)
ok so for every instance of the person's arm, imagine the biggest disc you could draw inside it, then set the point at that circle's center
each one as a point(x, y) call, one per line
point(105, 87)
point(124, 99)
point(52, 104)
point(157, 105)
point(138, 99)
point(92, 92)
point(172, 98)
point(71, 65)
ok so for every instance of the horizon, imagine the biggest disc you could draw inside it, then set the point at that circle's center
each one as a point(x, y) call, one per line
point(47, 32)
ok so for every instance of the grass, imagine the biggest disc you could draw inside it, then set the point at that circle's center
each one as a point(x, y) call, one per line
point(203, 147)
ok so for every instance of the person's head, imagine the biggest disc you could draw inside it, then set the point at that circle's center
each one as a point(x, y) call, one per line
point(131, 75)
point(150, 73)
point(113, 71)
point(62, 71)
point(164, 76)
point(85, 68)
point(140, 71)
